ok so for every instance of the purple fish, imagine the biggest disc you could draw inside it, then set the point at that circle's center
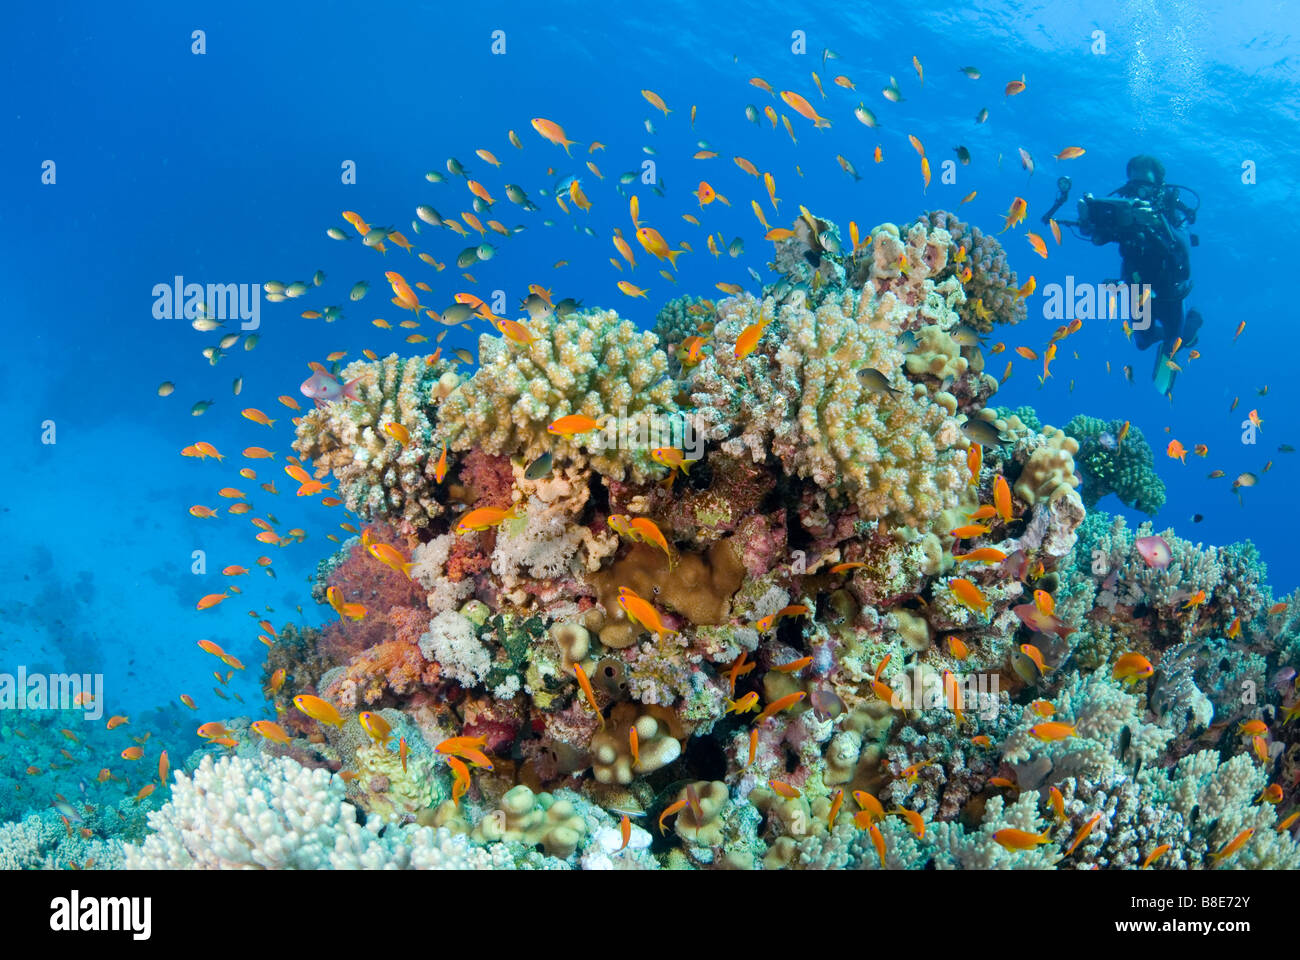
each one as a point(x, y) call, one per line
point(325, 388)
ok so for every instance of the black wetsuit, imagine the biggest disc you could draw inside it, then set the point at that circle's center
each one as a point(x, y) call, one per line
point(1156, 253)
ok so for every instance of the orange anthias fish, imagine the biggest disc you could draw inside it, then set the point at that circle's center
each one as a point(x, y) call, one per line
point(767, 623)
point(982, 555)
point(1020, 839)
point(1083, 833)
point(646, 529)
point(553, 132)
point(776, 706)
point(318, 709)
point(1051, 731)
point(642, 612)
point(1002, 497)
point(974, 462)
point(748, 339)
point(574, 423)
point(271, 731)
point(968, 595)
point(588, 692)
point(1015, 214)
point(804, 108)
point(1132, 667)
point(484, 518)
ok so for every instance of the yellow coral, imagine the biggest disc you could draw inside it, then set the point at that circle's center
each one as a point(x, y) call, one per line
point(611, 749)
point(526, 817)
point(1050, 472)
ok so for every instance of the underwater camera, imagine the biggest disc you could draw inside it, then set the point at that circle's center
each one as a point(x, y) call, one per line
point(1107, 219)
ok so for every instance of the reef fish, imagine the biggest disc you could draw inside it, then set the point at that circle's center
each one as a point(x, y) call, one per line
point(1154, 551)
point(324, 388)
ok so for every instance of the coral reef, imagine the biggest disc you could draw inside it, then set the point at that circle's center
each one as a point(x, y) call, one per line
point(850, 615)
point(591, 363)
point(1115, 458)
point(991, 291)
point(378, 475)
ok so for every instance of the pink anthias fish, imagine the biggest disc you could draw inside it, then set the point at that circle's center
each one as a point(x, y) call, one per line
point(325, 388)
point(1154, 550)
point(1035, 619)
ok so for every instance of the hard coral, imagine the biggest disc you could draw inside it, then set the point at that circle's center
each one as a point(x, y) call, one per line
point(591, 363)
point(379, 476)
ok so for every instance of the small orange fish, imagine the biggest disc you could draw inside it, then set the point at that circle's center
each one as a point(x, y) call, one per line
point(793, 665)
point(776, 706)
point(878, 841)
point(1013, 839)
point(483, 518)
point(271, 731)
point(641, 611)
point(836, 802)
point(625, 828)
point(784, 789)
point(914, 821)
point(318, 709)
point(767, 623)
point(211, 600)
point(968, 595)
point(1233, 845)
point(1154, 855)
point(1083, 833)
point(748, 339)
point(573, 424)
point(1052, 731)
point(589, 693)
point(844, 567)
point(1132, 666)
point(670, 810)
point(982, 555)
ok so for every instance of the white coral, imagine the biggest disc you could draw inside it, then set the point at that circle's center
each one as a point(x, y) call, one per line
point(429, 562)
point(261, 813)
point(453, 644)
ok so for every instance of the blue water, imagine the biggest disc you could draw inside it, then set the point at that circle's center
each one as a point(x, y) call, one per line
point(226, 168)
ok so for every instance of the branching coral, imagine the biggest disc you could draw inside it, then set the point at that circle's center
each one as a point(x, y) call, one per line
point(591, 363)
point(799, 396)
point(991, 292)
point(378, 475)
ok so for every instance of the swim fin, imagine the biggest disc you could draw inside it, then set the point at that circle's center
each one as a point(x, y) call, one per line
point(1162, 376)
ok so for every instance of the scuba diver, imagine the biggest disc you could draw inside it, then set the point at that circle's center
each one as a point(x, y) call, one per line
point(1146, 217)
